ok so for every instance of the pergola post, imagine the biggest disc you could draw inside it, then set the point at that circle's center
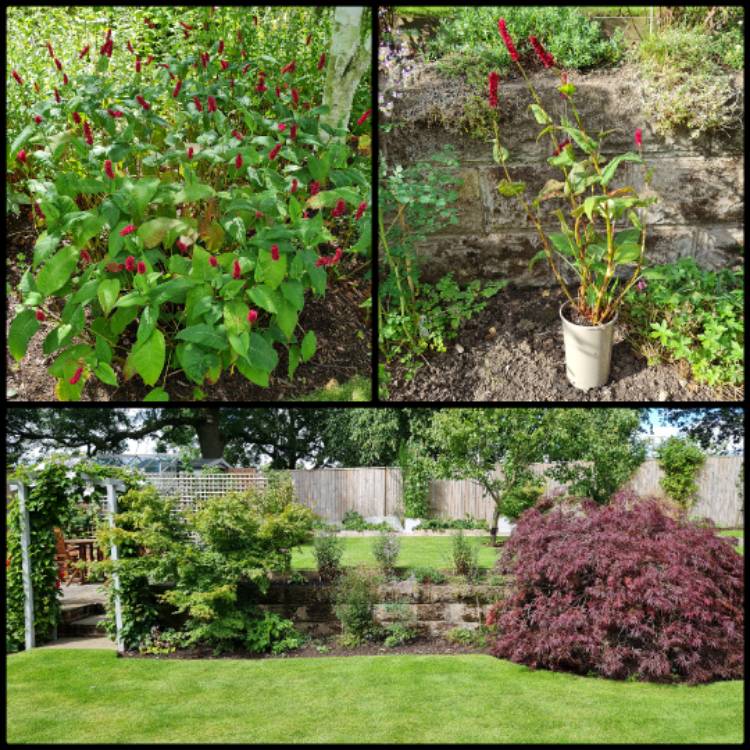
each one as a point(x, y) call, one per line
point(28, 588)
point(114, 555)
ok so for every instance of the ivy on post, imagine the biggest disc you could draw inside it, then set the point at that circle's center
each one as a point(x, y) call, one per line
point(28, 589)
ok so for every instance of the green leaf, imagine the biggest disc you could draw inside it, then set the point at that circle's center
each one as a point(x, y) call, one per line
point(265, 297)
point(235, 317)
point(23, 327)
point(21, 139)
point(508, 189)
point(585, 142)
point(147, 359)
point(146, 324)
point(141, 194)
point(205, 335)
point(540, 115)
point(567, 88)
point(591, 203)
point(107, 293)
point(240, 342)
point(537, 257)
point(57, 270)
point(627, 253)
point(286, 319)
point(196, 361)
point(88, 227)
point(627, 235)
point(253, 374)
point(153, 232)
point(309, 346)
point(271, 271)
point(133, 299)
point(157, 394)
point(499, 153)
point(122, 318)
point(562, 243)
point(45, 245)
point(294, 360)
point(319, 167)
point(261, 355)
point(294, 293)
point(565, 158)
point(105, 373)
point(102, 348)
point(195, 191)
point(609, 170)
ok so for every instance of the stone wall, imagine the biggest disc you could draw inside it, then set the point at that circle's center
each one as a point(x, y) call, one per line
point(434, 608)
point(699, 184)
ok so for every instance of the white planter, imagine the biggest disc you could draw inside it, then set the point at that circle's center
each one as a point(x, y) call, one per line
point(588, 351)
point(410, 524)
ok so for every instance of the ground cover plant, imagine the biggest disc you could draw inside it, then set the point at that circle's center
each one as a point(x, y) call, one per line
point(189, 199)
point(469, 698)
point(625, 591)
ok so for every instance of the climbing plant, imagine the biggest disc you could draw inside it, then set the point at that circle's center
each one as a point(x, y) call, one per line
point(680, 459)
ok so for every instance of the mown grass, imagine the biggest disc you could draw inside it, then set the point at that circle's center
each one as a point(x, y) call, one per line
point(77, 696)
point(433, 552)
point(739, 534)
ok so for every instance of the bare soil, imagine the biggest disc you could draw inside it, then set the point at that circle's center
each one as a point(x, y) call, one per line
point(341, 326)
point(513, 351)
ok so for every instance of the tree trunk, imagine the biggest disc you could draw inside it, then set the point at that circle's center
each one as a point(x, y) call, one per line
point(493, 530)
point(348, 59)
point(210, 439)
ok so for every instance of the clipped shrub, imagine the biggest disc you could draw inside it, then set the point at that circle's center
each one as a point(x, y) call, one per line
point(680, 460)
point(465, 556)
point(427, 575)
point(622, 591)
point(355, 599)
point(328, 549)
point(353, 521)
point(385, 549)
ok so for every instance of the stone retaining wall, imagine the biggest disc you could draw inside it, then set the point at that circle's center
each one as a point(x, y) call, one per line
point(700, 184)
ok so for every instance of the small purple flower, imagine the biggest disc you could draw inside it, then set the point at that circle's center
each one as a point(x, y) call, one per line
point(641, 285)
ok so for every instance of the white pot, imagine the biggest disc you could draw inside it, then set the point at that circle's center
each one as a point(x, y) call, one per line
point(588, 351)
point(410, 524)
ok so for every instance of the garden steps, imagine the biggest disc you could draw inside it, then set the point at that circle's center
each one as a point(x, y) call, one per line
point(88, 626)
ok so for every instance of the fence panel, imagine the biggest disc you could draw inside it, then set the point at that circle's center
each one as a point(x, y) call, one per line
point(191, 489)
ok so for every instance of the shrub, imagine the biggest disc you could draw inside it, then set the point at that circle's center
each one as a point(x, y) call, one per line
point(402, 627)
point(439, 524)
point(355, 599)
point(622, 591)
point(385, 549)
point(465, 556)
point(328, 549)
point(353, 521)
point(476, 637)
point(681, 460)
point(428, 575)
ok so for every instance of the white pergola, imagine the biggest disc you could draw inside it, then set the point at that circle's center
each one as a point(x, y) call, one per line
point(112, 487)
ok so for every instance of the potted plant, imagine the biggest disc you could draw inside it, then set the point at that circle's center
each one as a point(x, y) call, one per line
point(603, 234)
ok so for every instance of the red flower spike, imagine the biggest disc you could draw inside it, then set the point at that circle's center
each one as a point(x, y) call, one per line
point(337, 256)
point(221, 47)
point(293, 132)
point(108, 169)
point(322, 261)
point(295, 96)
point(364, 117)
point(142, 102)
point(561, 146)
point(236, 270)
point(198, 104)
point(38, 211)
point(87, 134)
point(314, 187)
point(84, 52)
point(181, 246)
point(639, 137)
point(274, 152)
point(58, 64)
point(18, 78)
point(278, 93)
point(322, 61)
point(212, 260)
point(261, 88)
point(85, 256)
point(282, 127)
point(177, 88)
point(185, 25)
point(360, 210)
point(130, 263)
point(238, 135)
point(130, 48)
point(494, 80)
point(295, 184)
point(57, 96)
point(114, 113)
point(21, 156)
point(289, 67)
point(37, 119)
point(507, 40)
point(252, 316)
point(141, 267)
point(77, 118)
point(36, 87)
point(547, 60)
point(149, 60)
point(308, 40)
point(274, 252)
point(137, 65)
point(77, 376)
point(40, 316)
point(231, 84)
point(190, 152)
point(211, 104)
point(50, 50)
point(245, 69)
point(258, 214)
point(239, 35)
point(224, 64)
point(125, 231)
point(238, 161)
point(65, 79)
point(339, 209)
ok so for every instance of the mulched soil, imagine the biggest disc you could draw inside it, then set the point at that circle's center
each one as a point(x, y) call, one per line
point(340, 324)
point(310, 650)
point(513, 351)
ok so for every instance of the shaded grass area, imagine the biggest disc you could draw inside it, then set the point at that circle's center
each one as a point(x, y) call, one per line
point(433, 552)
point(358, 388)
point(77, 696)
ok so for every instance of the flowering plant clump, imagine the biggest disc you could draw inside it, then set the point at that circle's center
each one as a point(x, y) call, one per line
point(602, 229)
point(625, 590)
point(185, 215)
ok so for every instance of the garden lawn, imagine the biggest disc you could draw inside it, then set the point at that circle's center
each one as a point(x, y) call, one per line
point(77, 696)
point(433, 552)
point(739, 534)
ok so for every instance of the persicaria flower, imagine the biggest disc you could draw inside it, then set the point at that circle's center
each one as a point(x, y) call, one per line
point(50, 50)
point(547, 60)
point(360, 210)
point(221, 46)
point(337, 255)
point(36, 87)
point(236, 270)
point(508, 41)
point(273, 153)
point(181, 246)
point(252, 316)
point(322, 61)
point(314, 187)
point(211, 104)
point(77, 375)
point(190, 152)
point(37, 119)
point(494, 80)
point(21, 156)
point(275, 252)
point(108, 169)
point(255, 20)
point(65, 79)
point(205, 57)
point(149, 23)
point(224, 64)
point(114, 113)
point(198, 104)
point(561, 146)
point(57, 96)
point(289, 67)
point(294, 185)
point(258, 214)
point(185, 25)
point(130, 263)
point(261, 88)
point(18, 78)
point(238, 135)
point(638, 137)
point(293, 132)
point(85, 256)
point(58, 64)
point(142, 102)
point(212, 260)
point(245, 69)
point(38, 211)
point(339, 209)
point(84, 52)
point(307, 41)
point(130, 48)
point(295, 96)
point(77, 118)
point(238, 161)
point(87, 134)
point(137, 65)
point(176, 89)
point(40, 316)
point(282, 127)
point(141, 267)
point(149, 59)
point(125, 231)
point(278, 93)
point(364, 116)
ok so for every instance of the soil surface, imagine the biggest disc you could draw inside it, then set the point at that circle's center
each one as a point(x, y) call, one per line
point(513, 351)
point(340, 324)
point(325, 647)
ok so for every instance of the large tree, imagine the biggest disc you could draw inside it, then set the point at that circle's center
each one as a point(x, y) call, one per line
point(719, 429)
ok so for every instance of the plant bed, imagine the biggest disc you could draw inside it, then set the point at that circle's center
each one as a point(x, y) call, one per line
point(512, 351)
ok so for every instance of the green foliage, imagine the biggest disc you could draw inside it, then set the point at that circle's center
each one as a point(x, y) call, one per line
point(353, 521)
point(416, 317)
point(467, 42)
point(689, 314)
point(522, 496)
point(272, 633)
point(385, 549)
point(465, 557)
point(204, 224)
point(438, 524)
point(425, 574)
point(328, 549)
point(355, 599)
point(415, 480)
point(680, 459)
point(401, 628)
point(474, 637)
